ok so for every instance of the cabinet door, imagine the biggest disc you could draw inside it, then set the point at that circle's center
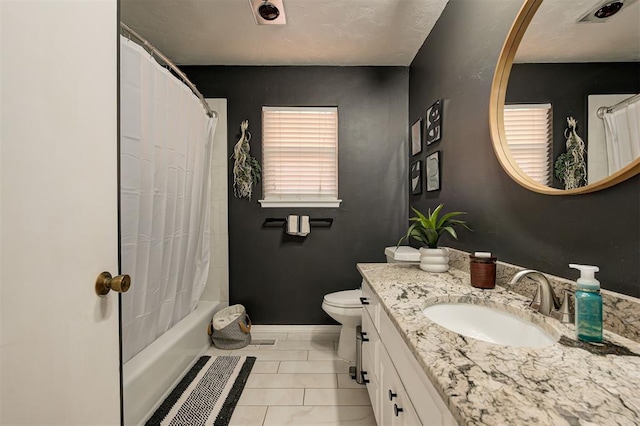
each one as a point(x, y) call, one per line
point(395, 405)
point(370, 304)
point(371, 380)
point(370, 341)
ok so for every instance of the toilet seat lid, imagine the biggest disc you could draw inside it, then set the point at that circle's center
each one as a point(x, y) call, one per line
point(403, 253)
point(344, 299)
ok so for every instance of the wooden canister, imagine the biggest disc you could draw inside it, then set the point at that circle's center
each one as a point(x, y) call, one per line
point(483, 271)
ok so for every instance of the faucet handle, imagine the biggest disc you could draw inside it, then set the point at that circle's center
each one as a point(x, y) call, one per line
point(565, 313)
point(536, 300)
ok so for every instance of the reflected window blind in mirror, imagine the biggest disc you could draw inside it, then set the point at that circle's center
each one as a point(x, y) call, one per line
point(300, 156)
point(529, 132)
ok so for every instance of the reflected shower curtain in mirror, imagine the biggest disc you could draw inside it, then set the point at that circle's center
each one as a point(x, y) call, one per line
point(622, 136)
point(165, 161)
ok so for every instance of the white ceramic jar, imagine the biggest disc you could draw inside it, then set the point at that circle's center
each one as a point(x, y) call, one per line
point(434, 260)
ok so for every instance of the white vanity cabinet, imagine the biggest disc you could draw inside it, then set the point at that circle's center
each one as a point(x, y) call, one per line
point(400, 392)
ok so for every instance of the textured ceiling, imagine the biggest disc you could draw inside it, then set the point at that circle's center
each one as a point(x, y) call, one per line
point(318, 32)
point(361, 32)
point(555, 36)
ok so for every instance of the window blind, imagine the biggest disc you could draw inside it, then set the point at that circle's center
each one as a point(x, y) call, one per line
point(300, 154)
point(529, 132)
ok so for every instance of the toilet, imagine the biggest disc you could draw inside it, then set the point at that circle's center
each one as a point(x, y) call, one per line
point(402, 254)
point(346, 307)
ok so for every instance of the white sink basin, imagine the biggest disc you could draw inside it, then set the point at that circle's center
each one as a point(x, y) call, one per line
point(489, 325)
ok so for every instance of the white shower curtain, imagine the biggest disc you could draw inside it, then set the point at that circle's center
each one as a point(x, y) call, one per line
point(165, 153)
point(622, 136)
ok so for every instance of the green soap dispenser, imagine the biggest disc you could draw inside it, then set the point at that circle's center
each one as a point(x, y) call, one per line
point(588, 304)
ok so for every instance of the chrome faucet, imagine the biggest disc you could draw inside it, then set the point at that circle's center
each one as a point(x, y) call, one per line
point(545, 300)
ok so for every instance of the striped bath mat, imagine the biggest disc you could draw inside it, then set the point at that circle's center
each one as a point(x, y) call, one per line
point(208, 393)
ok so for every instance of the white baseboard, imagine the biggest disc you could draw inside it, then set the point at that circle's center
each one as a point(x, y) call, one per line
point(271, 328)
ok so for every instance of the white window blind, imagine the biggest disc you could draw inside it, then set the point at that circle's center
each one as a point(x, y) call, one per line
point(529, 132)
point(300, 157)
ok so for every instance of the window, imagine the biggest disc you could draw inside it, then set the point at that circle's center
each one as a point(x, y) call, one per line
point(529, 132)
point(300, 157)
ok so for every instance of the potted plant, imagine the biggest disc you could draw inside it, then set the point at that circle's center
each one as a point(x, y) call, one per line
point(427, 230)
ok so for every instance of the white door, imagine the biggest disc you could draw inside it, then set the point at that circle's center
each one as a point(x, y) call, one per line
point(59, 355)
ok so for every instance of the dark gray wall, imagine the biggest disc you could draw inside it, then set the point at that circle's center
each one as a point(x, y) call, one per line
point(282, 280)
point(456, 63)
point(566, 87)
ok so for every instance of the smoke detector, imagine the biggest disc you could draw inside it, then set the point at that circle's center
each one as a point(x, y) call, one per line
point(605, 10)
point(268, 12)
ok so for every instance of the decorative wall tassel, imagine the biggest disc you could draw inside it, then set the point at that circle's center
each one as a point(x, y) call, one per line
point(246, 169)
point(571, 167)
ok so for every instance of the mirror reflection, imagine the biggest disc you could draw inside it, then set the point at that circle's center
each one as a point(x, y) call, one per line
point(572, 114)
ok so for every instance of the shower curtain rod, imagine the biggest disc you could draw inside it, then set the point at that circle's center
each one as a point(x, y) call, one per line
point(153, 51)
point(619, 105)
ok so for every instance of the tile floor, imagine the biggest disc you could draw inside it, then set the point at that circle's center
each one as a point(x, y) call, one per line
point(299, 381)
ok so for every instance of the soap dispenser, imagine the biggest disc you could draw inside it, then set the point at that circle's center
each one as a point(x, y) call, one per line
point(588, 304)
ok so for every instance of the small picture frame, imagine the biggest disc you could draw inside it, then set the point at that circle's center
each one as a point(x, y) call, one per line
point(433, 171)
point(416, 137)
point(433, 123)
point(415, 177)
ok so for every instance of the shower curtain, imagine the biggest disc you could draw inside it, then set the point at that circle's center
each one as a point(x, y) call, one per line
point(622, 136)
point(165, 160)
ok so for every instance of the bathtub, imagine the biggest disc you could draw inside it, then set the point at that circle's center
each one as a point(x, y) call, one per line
point(149, 376)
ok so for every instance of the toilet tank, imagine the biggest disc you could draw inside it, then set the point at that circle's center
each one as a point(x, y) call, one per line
point(402, 254)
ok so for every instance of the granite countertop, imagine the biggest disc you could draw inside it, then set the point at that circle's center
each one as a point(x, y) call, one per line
point(566, 383)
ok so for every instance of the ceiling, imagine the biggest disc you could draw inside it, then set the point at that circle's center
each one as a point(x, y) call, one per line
point(362, 32)
point(318, 32)
point(554, 34)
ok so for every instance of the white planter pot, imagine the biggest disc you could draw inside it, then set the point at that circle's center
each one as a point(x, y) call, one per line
point(434, 260)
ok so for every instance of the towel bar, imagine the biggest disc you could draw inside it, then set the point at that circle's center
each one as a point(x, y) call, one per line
point(313, 221)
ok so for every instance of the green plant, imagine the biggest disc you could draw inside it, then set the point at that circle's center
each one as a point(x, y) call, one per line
point(246, 169)
point(570, 166)
point(428, 229)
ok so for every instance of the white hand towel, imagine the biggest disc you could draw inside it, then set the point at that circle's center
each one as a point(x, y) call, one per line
point(292, 224)
point(305, 228)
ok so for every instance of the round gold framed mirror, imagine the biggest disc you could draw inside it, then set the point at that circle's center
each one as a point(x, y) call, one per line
point(504, 68)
